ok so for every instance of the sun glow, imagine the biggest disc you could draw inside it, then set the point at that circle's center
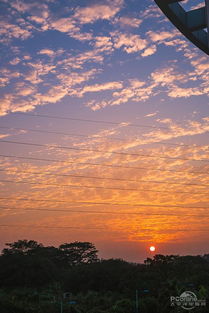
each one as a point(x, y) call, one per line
point(152, 248)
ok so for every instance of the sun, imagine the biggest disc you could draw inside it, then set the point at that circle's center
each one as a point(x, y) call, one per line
point(152, 248)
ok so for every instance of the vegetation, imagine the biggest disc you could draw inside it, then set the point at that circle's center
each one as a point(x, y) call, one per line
point(71, 279)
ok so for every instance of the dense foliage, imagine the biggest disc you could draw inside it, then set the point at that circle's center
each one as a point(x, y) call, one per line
point(71, 279)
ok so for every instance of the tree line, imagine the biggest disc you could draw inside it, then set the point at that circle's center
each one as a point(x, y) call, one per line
point(72, 279)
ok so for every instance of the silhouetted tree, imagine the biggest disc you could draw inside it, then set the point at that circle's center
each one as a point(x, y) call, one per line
point(160, 259)
point(21, 247)
point(76, 253)
point(33, 279)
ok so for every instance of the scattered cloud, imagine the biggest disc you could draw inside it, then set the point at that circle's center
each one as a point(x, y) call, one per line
point(128, 42)
point(65, 25)
point(151, 114)
point(152, 11)
point(102, 87)
point(54, 95)
point(129, 21)
point(98, 11)
point(7, 75)
point(179, 92)
point(10, 31)
point(15, 61)
point(24, 90)
point(149, 51)
point(48, 52)
point(6, 104)
point(175, 130)
point(167, 76)
point(76, 78)
point(161, 36)
point(86, 15)
point(103, 43)
point(71, 69)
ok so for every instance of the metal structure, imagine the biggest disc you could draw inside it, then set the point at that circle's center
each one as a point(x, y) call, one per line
point(192, 24)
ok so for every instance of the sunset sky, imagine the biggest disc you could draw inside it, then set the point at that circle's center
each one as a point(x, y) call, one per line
point(103, 129)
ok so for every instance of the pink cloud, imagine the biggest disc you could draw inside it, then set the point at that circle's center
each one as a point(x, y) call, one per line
point(65, 25)
point(98, 11)
point(102, 87)
point(48, 52)
point(129, 21)
point(9, 31)
point(149, 51)
point(129, 42)
point(161, 36)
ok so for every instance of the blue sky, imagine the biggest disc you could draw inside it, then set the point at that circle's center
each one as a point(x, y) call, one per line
point(113, 61)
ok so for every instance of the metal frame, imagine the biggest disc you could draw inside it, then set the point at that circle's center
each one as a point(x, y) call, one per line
point(191, 24)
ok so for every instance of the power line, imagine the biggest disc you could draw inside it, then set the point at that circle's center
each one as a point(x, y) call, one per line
point(99, 212)
point(105, 178)
point(90, 121)
point(101, 165)
point(99, 187)
point(89, 228)
point(45, 226)
point(67, 185)
point(105, 203)
point(92, 136)
point(100, 151)
point(58, 133)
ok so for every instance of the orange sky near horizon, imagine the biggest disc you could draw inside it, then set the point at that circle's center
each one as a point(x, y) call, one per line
point(148, 195)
